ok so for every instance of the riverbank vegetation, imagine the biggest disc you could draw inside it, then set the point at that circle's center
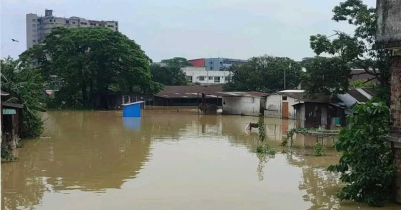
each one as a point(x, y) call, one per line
point(25, 86)
point(366, 165)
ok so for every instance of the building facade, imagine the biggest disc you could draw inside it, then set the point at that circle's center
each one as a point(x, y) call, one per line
point(215, 64)
point(202, 76)
point(37, 27)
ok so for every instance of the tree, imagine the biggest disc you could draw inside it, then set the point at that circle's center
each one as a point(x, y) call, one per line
point(90, 62)
point(357, 50)
point(177, 61)
point(168, 75)
point(366, 165)
point(25, 85)
point(265, 73)
point(329, 75)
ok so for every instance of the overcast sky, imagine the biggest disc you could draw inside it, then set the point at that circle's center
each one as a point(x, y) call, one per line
point(191, 28)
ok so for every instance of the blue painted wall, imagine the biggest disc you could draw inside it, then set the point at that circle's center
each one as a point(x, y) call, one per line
point(133, 110)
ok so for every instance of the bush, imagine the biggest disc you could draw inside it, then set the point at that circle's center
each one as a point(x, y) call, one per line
point(6, 153)
point(366, 165)
point(318, 149)
point(266, 149)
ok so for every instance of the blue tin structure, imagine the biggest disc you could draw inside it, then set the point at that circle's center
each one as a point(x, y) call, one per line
point(132, 109)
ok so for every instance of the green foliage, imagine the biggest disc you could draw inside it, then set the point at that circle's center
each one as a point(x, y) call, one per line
point(325, 75)
point(177, 62)
point(366, 165)
point(261, 127)
point(7, 153)
point(265, 149)
point(265, 73)
point(318, 149)
point(361, 83)
point(25, 86)
point(355, 50)
point(168, 75)
point(91, 62)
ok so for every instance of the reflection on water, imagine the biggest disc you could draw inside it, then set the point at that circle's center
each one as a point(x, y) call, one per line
point(165, 160)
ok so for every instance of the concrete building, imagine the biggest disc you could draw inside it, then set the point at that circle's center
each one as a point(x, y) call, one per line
point(215, 64)
point(202, 76)
point(389, 37)
point(37, 27)
point(244, 103)
point(279, 105)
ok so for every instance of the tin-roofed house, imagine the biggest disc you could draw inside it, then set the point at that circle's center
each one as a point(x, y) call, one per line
point(327, 111)
point(280, 105)
point(10, 123)
point(244, 103)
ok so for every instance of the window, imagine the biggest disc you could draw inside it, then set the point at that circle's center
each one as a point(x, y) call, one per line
point(189, 78)
point(33, 25)
point(33, 20)
point(211, 68)
point(33, 40)
point(34, 30)
point(82, 23)
point(92, 24)
point(201, 78)
point(73, 22)
point(210, 78)
point(284, 98)
point(216, 79)
point(67, 21)
point(227, 79)
point(110, 26)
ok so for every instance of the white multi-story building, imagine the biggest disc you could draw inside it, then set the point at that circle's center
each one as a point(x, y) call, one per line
point(202, 76)
point(37, 27)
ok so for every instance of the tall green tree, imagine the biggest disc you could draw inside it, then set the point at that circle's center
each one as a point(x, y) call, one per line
point(357, 50)
point(90, 62)
point(265, 73)
point(25, 86)
point(329, 75)
point(168, 75)
point(177, 61)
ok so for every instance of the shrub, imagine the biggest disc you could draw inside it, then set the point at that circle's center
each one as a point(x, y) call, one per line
point(366, 165)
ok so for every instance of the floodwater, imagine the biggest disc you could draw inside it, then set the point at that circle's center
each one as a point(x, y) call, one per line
point(165, 160)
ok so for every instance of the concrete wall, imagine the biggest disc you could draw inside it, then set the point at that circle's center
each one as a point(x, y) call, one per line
point(396, 121)
point(388, 21)
point(31, 30)
point(274, 105)
point(202, 76)
point(241, 105)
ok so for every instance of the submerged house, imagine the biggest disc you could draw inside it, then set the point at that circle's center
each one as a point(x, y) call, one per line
point(327, 111)
point(244, 103)
point(280, 105)
point(188, 95)
point(10, 121)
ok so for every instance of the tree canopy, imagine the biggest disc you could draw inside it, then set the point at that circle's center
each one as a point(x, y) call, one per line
point(329, 75)
point(356, 50)
point(177, 61)
point(90, 62)
point(168, 75)
point(25, 86)
point(265, 73)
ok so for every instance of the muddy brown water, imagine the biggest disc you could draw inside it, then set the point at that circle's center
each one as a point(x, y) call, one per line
point(165, 160)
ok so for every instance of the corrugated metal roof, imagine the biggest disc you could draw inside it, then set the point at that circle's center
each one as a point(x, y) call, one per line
point(211, 91)
point(14, 105)
point(4, 93)
point(243, 94)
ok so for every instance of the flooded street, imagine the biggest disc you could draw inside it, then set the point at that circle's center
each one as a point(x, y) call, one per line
point(165, 160)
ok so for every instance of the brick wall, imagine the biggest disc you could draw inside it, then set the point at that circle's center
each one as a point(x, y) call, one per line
point(396, 95)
